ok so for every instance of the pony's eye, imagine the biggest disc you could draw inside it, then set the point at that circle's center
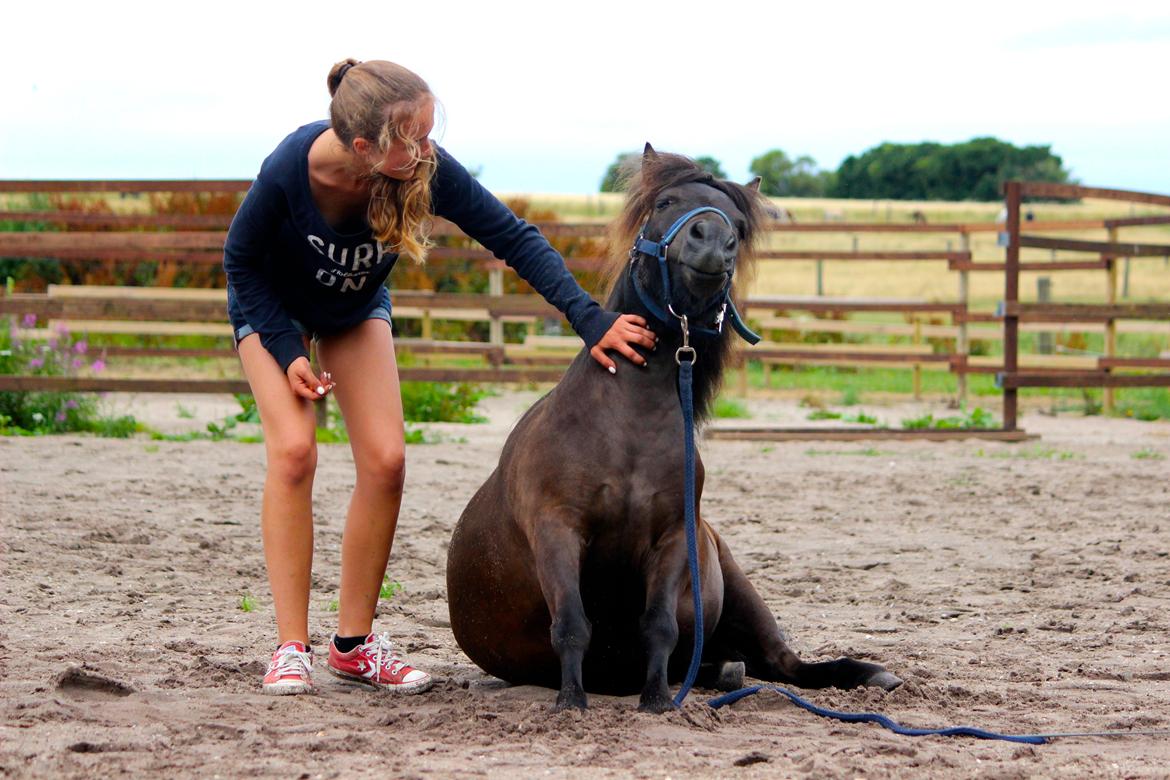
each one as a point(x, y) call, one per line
point(662, 204)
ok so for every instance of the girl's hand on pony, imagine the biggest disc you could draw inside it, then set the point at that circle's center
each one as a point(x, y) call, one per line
point(626, 330)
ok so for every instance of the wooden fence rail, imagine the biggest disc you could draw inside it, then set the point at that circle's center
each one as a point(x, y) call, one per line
point(197, 239)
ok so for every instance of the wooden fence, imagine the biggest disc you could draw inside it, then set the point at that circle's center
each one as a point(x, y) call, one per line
point(924, 344)
point(1110, 371)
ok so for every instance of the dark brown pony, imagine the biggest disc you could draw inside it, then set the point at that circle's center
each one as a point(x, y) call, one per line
point(568, 568)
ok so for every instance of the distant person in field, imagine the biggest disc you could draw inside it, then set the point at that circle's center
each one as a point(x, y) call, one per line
point(332, 209)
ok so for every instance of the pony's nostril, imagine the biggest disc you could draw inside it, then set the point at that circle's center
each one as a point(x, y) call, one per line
point(730, 245)
point(698, 230)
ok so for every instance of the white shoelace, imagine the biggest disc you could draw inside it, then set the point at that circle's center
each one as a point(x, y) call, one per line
point(292, 661)
point(385, 657)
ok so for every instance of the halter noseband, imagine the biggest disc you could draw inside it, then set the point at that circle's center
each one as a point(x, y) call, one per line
point(722, 299)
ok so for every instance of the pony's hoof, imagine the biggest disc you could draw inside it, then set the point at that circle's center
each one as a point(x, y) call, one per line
point(568, 702)
point(884, 680)
point(731, 674)
point(656, 705)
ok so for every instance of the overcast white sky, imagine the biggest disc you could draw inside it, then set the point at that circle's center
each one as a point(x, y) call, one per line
point(544, 95)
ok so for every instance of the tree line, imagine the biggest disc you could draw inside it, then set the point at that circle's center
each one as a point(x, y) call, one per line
point(971, 170)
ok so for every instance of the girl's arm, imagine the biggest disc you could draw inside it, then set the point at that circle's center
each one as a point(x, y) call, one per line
point(463, 200)
point(248, 242)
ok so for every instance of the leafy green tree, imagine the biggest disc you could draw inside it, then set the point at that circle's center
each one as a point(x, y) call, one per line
point(784, 177)
point(618, 170)
point(972, 170)
point(711, 166)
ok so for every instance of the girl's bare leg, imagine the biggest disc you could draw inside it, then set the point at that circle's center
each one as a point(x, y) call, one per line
point(286, 515)
point(361, 362)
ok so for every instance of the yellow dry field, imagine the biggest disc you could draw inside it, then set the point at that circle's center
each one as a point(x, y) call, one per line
point(1149, 278)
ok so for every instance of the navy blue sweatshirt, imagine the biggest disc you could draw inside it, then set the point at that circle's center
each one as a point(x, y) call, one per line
point(285, 262)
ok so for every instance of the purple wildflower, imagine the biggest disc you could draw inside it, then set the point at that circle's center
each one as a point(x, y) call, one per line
point(98, 366)
point(36, 363)
point(29, 321)
point(71, 404)
point(78, 362)
point(60, 417)
point(80, 347)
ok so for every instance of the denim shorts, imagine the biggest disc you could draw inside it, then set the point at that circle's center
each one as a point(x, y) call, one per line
point(240, 333)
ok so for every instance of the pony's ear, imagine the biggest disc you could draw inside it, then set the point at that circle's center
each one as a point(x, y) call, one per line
point(754, 184)
point(648, 154)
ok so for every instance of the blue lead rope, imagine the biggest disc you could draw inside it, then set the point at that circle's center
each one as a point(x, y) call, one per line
point(870, 717)
point(684, 391)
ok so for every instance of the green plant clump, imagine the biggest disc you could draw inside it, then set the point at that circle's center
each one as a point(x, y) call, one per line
point(441, 402)
point(976, 418)
point(26, 352)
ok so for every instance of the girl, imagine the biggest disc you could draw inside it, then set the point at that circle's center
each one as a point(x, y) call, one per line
point(331, 211)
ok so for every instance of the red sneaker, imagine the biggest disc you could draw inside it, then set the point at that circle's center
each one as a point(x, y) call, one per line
point(375, 663)
point(290, 671)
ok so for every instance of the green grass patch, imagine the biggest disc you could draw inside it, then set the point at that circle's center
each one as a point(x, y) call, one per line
point(868, 452)
point(1147, 453)
point(247, 603)
point(1037, 452)
point(730, 409)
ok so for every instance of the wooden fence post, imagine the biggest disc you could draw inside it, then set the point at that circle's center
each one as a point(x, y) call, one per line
point(496, 287)
point(917, 366)
point(1107, 398)
point(964, 345)
point(1044, 295)
point(1011, 295)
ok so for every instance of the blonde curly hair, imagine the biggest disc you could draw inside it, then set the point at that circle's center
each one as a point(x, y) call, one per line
point(378, 100)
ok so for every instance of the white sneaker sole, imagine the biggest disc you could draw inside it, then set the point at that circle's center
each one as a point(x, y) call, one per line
point(418, 686)
point(288, 688)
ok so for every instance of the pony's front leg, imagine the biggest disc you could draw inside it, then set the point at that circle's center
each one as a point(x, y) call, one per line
point(558, 548)
point(665, 568)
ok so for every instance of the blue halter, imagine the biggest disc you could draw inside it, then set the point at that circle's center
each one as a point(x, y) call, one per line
point(722, 299)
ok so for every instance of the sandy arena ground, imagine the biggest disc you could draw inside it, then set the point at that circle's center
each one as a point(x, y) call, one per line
point(1018, 588)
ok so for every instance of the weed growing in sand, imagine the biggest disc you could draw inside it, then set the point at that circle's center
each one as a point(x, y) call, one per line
point(247, 604)
point(1147, 453)
point(1038, 452)
point(184, 412)
point(869, 452)
point(333, 605)
point(390, 588)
